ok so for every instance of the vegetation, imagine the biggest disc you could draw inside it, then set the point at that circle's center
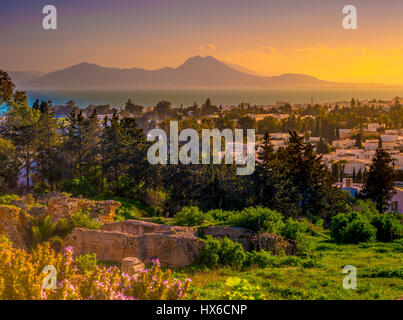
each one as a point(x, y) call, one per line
point(319, 277)
point(291, 194)
point(44, 229)
point(21, 278)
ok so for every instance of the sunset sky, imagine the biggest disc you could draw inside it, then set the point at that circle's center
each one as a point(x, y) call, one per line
point(268, 37)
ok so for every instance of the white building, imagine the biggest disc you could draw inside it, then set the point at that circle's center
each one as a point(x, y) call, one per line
point(345, 143)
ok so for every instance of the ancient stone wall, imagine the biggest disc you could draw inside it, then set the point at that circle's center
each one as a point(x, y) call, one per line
point(139, 228)
point(101, 211)
point(172, 249)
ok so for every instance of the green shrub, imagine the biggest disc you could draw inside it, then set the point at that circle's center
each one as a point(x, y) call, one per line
point(258, 219)
point(81, 219)
point(86, 263)
point(366, 207)
point(241, 289)
point(222, 252)
point(192, 217)
point(293, 228)
point(5, 241)
point(260, 259)
point(159, 220)
point(304, 244)
point(384, 273)
point(388, 227)
point(42, 229)
point(221, 215)
point(353, 227)
point(8, 198)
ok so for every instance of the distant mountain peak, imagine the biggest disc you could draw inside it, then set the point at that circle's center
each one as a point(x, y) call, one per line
point(195, 72)
point(200, 60)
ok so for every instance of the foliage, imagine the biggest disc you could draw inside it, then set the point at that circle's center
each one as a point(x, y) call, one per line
point(80, 187)
point(316, 278)
point(155, 199)
point(86, 263)
point(21, 278)
point(388, 227)
point(258, 219)
point(43, 228)
point(159, 220)
point(241, 289)
point(379, 186)
point(192, 216)
point(222, 252)
point(293, 227)
point(8, 198)
point(353, 227)
point(81, 219)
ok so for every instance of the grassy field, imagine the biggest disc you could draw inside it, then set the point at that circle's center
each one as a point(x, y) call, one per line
point(379, 274)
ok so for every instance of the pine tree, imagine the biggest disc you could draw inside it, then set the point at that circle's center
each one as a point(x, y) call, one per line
point(358, 140)
point(47, 148)
point(20, 124)
point(379, 186)
point(359, 176)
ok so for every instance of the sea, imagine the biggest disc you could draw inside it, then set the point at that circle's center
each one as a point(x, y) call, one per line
point(186, 97)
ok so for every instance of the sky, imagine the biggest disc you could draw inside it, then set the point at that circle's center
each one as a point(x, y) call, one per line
point(268, 37)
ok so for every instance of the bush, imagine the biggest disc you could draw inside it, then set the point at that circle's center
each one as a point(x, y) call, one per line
point(221, 215)
point(258, 219)
point(159, 220)
point(241, 289)
point(263, 259)
point(192, 217)
point(86, 263)
point(222, 252)
point(43, 229)
point(8, 198)
point(260, 259)
point(82, 220)
point(293, 228)
point(21, 278)
point(5, 241)
point(353, 227)
point(304, 244)
point(384, 273)
point(388, 227)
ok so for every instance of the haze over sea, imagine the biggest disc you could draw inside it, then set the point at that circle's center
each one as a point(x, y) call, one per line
point(186, 97)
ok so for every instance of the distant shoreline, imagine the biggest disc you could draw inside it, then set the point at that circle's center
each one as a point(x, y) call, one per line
point(149, 97)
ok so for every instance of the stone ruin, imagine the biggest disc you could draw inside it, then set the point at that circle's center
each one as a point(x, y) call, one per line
point(173, 246)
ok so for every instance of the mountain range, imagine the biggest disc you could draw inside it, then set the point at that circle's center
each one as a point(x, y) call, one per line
point(195, 72)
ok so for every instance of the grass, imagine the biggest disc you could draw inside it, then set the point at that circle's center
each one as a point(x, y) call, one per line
point(379, 275)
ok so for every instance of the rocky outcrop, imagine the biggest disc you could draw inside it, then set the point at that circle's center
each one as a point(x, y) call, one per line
point(273, 243)
point(139, 228)
point(101, 211)
point(13, 224)
point(131, 265)
point(171, 248)
point(241, 235)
